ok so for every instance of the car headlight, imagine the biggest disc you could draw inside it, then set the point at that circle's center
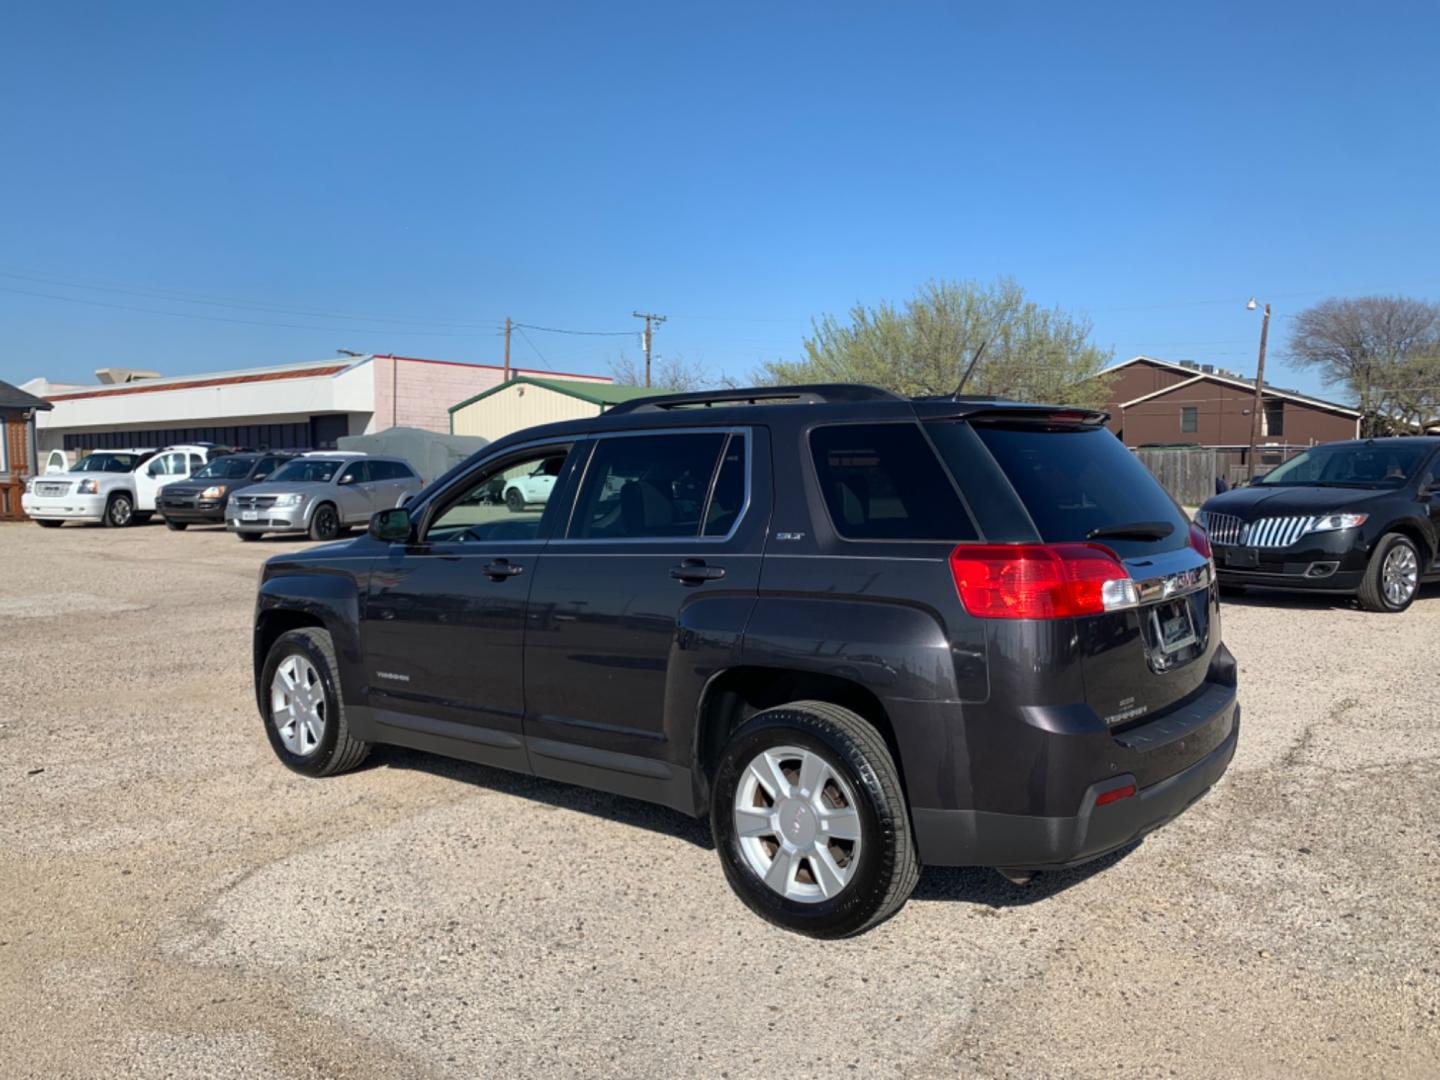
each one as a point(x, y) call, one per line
point(29, 487)
point(287, 500)
point(214, 491)
point(88, 487)
point(1202, 519)
point(1335, 522)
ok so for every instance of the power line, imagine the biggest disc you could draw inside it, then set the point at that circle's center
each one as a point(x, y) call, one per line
point(243, 322)
point(532, 346)
point(196, 298)
point(582, 333)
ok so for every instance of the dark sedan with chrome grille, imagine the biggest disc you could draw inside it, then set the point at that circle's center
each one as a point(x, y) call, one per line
point(202, 499)
point(1358, 517)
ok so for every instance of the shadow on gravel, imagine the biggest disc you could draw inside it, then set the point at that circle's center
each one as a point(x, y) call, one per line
point(552, 793)
point(980, 885)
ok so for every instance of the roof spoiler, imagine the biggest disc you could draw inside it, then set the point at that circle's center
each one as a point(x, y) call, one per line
point(1017, 412)
point(813, 394)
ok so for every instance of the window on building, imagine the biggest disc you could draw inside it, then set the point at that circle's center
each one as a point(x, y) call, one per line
point(1189, 419)
point(1273, 420)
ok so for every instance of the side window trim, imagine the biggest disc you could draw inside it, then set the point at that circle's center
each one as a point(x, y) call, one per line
point(564, 536)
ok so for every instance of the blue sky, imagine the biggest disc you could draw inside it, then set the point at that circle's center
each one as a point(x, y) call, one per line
point(399, 178)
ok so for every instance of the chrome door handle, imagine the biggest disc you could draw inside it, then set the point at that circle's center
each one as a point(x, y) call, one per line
point(501, 569)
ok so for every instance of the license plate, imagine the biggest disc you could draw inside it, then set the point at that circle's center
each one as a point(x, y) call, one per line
point(1242, 558)
point(1176, 626)
point(249, 515)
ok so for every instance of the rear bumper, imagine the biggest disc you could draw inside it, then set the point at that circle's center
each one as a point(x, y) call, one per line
point(1036, 842)
point(64, 507)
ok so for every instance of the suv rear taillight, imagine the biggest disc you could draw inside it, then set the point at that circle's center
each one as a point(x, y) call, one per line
point(1200, 541)
point(1040, 581)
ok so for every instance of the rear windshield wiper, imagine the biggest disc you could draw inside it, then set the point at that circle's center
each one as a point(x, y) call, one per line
point(1136, 530)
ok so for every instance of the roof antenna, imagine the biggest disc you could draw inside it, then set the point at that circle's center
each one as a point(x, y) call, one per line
point(971, 368)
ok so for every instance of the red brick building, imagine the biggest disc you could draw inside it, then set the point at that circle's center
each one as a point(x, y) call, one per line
point(1160, 402)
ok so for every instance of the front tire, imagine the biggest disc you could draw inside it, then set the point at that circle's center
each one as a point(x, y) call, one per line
point(810, 822)
point(176, 526)
point(48, 524)
point(304, 714)
point(249, 537)
point(514, 501)
point(1392, 577)
point(324, 523)
point(119, 512)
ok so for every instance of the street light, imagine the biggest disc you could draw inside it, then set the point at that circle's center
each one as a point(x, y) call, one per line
point(1259, 388)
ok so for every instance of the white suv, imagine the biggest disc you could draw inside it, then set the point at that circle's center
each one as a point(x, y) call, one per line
point(116, 487)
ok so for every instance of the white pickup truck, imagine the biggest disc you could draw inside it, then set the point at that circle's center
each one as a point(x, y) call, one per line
point(116, 487)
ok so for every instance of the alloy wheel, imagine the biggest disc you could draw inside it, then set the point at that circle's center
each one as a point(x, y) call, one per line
point(297, 705)
point(1400, 574)
point(798, 824)
point(121, 511)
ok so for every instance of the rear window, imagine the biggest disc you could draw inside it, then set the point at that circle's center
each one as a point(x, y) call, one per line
point(1075, 480)
point(883, 482)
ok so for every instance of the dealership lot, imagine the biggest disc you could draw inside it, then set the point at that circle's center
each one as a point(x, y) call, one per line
point(175, 903)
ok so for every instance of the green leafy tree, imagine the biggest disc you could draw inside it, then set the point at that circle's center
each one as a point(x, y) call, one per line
point(1025, 352)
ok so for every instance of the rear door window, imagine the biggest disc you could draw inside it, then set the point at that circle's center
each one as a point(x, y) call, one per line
point(884, 482)
point(647, 486)
point(1075, 480)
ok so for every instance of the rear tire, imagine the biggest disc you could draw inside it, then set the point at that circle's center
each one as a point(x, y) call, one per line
point(857, 883)
point(304, 714)
point(1392, 577)
point(176, 526)
point(514, 501)
point(119, 512)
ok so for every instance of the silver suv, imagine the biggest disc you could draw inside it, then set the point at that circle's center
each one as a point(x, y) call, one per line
point(322, 494)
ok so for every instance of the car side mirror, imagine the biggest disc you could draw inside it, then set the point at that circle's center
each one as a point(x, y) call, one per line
point(345, 479)
point(390, 526)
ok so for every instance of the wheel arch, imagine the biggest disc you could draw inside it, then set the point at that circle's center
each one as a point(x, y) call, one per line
point(296, 601)
point(1418, 533)
point(734, 695)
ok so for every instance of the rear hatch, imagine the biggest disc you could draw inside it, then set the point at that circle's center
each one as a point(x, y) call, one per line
point(1080, 486)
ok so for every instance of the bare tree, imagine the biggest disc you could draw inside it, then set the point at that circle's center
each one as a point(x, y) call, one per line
point(668, 374)
point(1380, 348)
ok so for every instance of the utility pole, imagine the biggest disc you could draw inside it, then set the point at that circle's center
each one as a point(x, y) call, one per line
point(657, 319)
point(507, 349)
point(1259, 388)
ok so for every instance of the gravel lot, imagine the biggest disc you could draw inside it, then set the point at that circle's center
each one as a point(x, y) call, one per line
point(175, 903)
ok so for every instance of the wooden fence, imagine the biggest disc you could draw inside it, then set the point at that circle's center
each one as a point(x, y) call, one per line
point(1187, 472)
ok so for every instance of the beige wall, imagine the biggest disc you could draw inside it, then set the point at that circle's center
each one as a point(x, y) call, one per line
point(518, 406)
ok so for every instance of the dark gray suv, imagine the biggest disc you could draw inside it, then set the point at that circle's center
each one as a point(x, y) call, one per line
point(861, 633)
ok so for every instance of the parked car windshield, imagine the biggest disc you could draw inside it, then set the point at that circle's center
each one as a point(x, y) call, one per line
point(108, 463)
point(225, 468)
point(1361, 465)
point(307, 471)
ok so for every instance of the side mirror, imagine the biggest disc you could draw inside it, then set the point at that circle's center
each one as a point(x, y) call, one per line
point(258, 477)
point(390, 526)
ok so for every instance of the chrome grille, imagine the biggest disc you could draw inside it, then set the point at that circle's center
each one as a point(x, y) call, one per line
point(253, 502)
point(1224, 528)
point(1276, 532)
point(51, 488)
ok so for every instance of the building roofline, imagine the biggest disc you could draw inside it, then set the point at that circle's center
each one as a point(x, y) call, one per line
point(1268, 389)
point(560, 386)
point(12, 397)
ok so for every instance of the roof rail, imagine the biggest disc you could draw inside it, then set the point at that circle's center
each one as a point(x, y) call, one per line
point(811, 394)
